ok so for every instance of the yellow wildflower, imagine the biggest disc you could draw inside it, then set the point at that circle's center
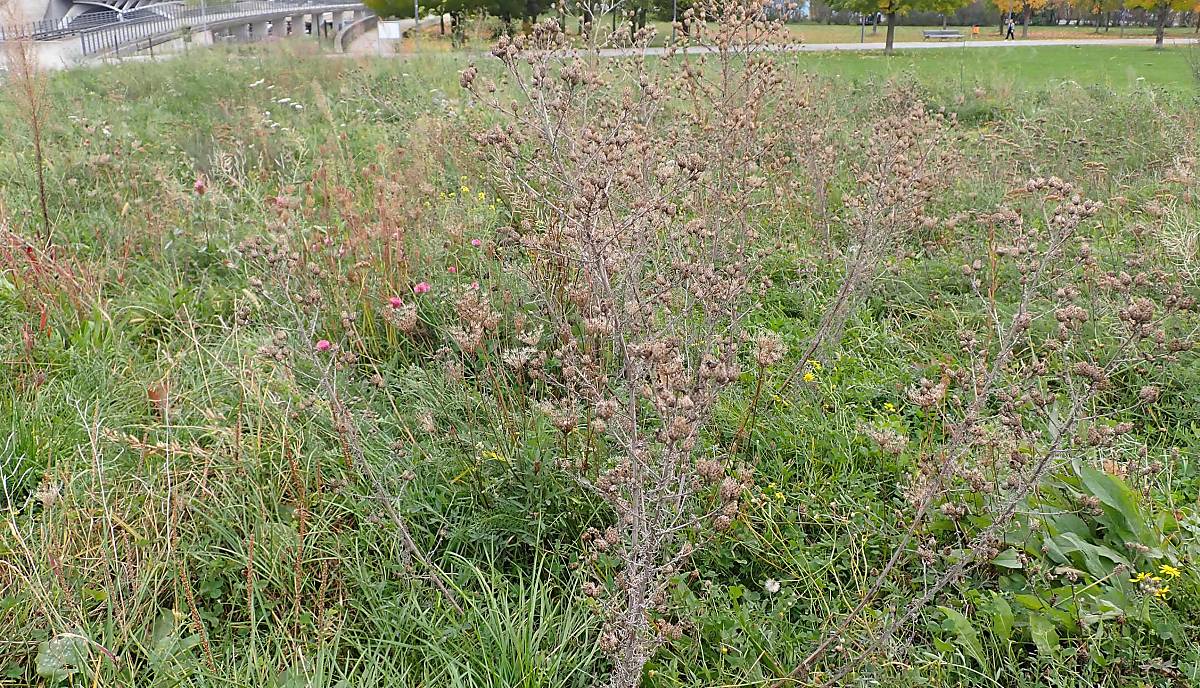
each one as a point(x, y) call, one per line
point(889, 406)
point(482, 196)
point(1161, 593)
point(464, 189)
point(809, 377)
point(1140, 577)
point(779, 496)
point(1168, 571)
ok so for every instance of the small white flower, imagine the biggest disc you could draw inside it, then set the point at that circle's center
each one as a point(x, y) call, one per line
point(771, 585)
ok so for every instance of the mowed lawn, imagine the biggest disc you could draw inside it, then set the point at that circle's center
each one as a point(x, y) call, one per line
point(1024, 68)
point(841, 33)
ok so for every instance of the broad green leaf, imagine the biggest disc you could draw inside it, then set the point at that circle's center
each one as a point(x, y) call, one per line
point(1044, 634)
point(1031, 602)
point(1068, 523)
point(1118, 500)
point(964, 631)
point(1009, 559)
point(1104, 611)
point(61, 657)
point(1091, 556)
point(1002, 617)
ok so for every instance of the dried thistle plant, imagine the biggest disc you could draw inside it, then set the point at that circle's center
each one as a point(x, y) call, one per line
point(895, 173)
point(638, 188)
point(1022, 401)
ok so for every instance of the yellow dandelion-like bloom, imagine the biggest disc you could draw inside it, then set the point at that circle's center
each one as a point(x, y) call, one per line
point(809, 377)
point(1168, 571)
point(1140, 577)
point(1161, 593)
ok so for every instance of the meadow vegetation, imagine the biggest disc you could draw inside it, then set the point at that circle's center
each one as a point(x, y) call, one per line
point(545, 369)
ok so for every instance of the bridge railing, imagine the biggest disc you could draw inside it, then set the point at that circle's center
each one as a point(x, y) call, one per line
point(106, 39)
point(51, 29)
point(12, 32)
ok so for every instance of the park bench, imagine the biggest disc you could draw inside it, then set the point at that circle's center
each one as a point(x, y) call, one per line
point(942, 34)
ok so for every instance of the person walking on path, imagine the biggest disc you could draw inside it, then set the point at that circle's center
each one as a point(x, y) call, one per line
point(1012, 28)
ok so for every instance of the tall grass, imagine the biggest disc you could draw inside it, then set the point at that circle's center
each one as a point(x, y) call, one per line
point(184, 501)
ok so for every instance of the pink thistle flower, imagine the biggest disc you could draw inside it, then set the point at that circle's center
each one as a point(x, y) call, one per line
point(324, 345)
point(452, 270)
point(421, 288)
point(476, 243)
point(395, 302)
point(475, 285)
point(200, 186)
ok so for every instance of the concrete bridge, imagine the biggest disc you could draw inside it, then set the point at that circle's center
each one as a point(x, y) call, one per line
point(139, 26)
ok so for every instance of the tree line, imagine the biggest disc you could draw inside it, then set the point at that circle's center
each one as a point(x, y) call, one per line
point(1103, 14)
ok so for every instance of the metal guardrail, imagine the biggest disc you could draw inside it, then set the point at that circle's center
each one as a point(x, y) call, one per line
point(107, 39)
point(54, 29)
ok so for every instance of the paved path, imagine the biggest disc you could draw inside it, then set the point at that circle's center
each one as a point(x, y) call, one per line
point(366, 44)
point(928, 45)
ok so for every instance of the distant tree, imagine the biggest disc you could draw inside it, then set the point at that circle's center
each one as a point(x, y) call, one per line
point(1162, 11)
point(819, 11)
point(506, 10)
point(1103, 9)
point(391, 9)
point(1025, 7)
point(891, 9)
